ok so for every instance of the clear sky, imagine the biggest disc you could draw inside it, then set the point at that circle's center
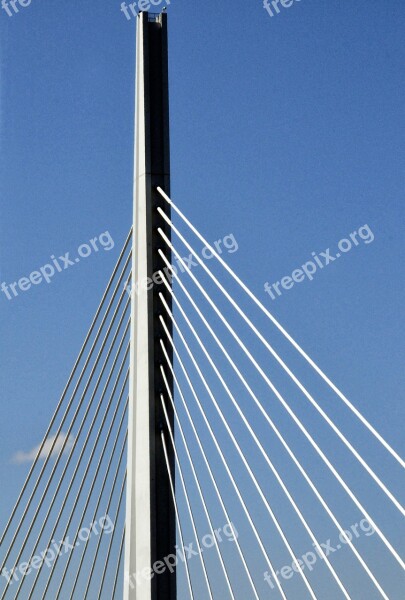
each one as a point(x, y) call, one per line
point(287, 132)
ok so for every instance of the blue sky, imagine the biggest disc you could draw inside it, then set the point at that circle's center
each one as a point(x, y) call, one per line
point(286, 132)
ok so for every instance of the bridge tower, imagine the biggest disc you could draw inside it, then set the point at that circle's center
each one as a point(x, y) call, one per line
point(150, 515)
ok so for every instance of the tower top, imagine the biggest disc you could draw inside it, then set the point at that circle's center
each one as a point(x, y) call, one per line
point(153, 17)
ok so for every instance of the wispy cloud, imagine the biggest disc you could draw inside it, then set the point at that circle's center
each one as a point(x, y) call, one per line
point(22, 457)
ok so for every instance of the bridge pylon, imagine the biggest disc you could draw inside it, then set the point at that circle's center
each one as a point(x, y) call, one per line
point(150, 514)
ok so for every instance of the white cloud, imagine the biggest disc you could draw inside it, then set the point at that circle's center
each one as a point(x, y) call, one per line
point(22, 457)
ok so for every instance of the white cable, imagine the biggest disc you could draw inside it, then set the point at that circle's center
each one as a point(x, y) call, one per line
point(227, 517)
point(280, 437)
point(224, 461)
point(110, 545)
point(100, 537)
point(285, 333)
point(303, 429)
point(240, 452)
point(100, 496)
point(191, 513)
point(190, 587)
point(257, 442)
point(197, 481)
point(117, 572)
